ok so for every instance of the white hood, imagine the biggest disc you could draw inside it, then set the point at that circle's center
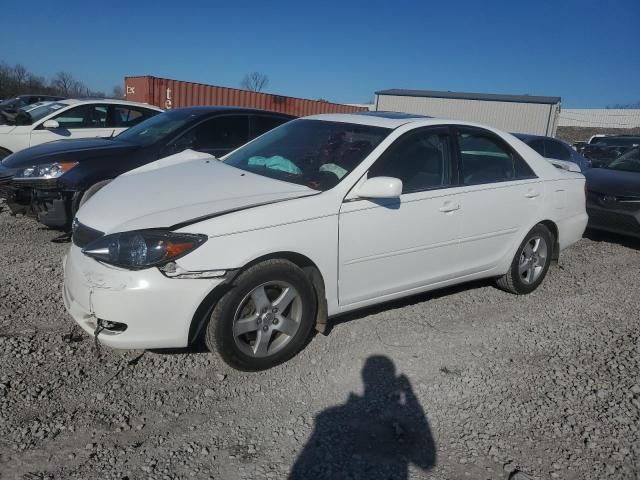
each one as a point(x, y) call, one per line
point(177, 189)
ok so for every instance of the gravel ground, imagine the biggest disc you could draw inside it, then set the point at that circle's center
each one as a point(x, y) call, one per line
point(469, 382)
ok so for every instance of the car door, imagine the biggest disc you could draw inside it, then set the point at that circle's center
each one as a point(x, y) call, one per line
point(501, 196)
point(81, 121)
point(396, 245)
point(217, 136)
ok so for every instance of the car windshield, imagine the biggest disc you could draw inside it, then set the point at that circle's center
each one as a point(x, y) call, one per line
point(157, 127)
point(8, 103)
point(619, 141)
point(314, 153)
point(629, 162)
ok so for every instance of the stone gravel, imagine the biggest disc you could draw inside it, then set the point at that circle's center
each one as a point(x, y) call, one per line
point(487, 385)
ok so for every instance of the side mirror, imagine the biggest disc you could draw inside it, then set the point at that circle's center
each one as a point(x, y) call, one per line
point(380, 187)
point(51, 124)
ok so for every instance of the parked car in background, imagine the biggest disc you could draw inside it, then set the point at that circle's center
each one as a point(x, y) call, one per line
point(12, 105)
point(606, 149)
point(320, 216)
point(66, 119)
point(554, 150)
point(55, 179)
point(7, 117)
point(613, 198)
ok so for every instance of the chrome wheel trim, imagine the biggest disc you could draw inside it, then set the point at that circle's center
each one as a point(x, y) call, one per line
point(533, 258)
point(267, 319)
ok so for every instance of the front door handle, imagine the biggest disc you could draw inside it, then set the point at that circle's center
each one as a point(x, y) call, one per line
point(532, 194)
point(449, 207)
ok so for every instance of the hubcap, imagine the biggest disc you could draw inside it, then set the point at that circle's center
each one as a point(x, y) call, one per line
point(267, 319)
point(533, 258)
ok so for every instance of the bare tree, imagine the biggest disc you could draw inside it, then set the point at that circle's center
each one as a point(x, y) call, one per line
point(625, 105)
point(68, 86)
point(117, 92)
point(254, 81)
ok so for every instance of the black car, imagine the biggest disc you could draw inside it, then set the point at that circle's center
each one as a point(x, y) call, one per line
point(553, 148)
point(11, 106)
point(613, 195)
point(606, 149)
point(54, 179)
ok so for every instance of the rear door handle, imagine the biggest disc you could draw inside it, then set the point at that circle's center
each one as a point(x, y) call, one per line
point(532, 194)
point(449, 207)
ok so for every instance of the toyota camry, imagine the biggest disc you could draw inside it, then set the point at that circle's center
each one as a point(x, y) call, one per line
point(318, 217)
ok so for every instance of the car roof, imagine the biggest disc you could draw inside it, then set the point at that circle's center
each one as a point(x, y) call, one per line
point(82, 101)
point(391, 120)
point(375, 119)
point(203, 110)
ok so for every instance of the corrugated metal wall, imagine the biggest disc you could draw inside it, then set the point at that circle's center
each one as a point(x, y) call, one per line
point(600, 117)
point(534, 118)
point(167, 94)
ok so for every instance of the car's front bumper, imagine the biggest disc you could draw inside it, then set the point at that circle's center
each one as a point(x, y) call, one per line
point(622, 218)
point(53, 208)
point(17, 198)
point(156, 310)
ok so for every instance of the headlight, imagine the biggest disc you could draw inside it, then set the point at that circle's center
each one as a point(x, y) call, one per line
point(143, 248)
point(46, 170)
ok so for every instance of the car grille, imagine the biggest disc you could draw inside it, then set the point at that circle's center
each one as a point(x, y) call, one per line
point(616, 221)
point(44, 184)
point(617, 202)
point(83, 235)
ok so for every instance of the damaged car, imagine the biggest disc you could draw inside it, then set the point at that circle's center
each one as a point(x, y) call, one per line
point(54, 180)
point(318, 217)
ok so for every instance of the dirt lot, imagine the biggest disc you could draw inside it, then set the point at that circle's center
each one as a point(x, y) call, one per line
point(464, 383)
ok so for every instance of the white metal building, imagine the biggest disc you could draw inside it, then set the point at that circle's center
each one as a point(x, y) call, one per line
point(600, 118)
point(512, 113)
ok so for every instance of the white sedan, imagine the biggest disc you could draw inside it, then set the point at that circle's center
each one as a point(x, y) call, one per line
point(316, 218)
point(68, 119)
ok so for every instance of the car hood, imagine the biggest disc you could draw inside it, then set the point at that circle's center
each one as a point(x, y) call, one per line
point(178, 190)
point(616, 182)
point(67, 150)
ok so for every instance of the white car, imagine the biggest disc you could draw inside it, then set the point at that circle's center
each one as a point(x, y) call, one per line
point(316, 218)
point(66, 119)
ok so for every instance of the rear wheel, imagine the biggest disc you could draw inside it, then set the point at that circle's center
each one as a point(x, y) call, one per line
point(265, 318)
point(530, 264)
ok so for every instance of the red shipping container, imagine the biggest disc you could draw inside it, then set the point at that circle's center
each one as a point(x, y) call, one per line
point(167, 94)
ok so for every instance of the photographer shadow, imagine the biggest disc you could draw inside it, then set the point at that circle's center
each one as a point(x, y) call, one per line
point(373, 436)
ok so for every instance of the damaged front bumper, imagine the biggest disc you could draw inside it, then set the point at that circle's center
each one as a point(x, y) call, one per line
point(52, 206)
point(136, 309)
point(17, 198)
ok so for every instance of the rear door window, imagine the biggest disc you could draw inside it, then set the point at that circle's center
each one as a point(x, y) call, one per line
point(485, 158)
point(124, 116)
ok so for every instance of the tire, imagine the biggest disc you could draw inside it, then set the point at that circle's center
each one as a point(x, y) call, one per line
point(252, 331)
point(90, 192)
point(530, 264)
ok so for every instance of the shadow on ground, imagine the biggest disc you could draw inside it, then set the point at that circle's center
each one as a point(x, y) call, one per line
point(374, 436)
point(602, 236)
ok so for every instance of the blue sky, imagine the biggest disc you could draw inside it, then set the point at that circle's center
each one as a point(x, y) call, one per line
point(585, 51)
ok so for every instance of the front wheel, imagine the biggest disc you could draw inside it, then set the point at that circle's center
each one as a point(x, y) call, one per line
point(265, 318)
point(530, 264)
